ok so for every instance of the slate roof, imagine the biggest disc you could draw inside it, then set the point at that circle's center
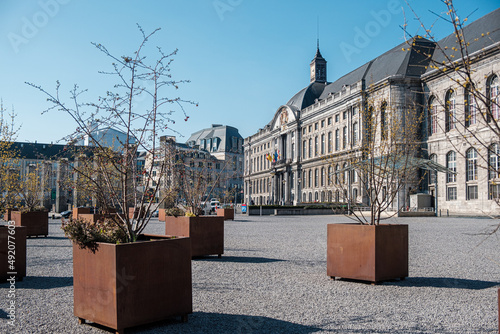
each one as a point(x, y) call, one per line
point(36, 151)
point(394, 62)
point(223, 132)
point(305, 97)
point(480, 34)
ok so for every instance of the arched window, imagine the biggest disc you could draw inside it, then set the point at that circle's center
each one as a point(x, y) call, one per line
point(322, 196)
point(471, 166)
point(316, 177)
point(310, 197)
point(316, 196)
point(383, 121)
point(432, 115)
point(322, 176)
point(451, 112)
point(451, 164)
point(310, 179)
point(493, 97)
point(494, 161)
point(310, 148)
point(304, 179)
point(330, 196)
point(470, 108)
point(337, 196)
point(493, 171)
point(304, 148)
point(304, 197)
point(354, 194)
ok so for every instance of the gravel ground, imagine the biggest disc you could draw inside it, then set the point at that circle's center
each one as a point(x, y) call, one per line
point(272, 279)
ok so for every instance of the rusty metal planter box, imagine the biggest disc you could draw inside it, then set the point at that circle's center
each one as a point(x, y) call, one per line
point(206, 233)
point(80, 211)
point(226, 213)
point(126, 285)
point(371, 253)
point(161, 215)
point(37, 222)
point(19, 252)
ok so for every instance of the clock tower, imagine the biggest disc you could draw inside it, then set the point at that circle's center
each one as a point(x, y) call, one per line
point(318, 67)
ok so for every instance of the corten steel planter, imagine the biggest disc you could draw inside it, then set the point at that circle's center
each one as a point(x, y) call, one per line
point(37, 222)
point(206, 233)
point(92, 217)
point(226, 213)
point(126, 285)
point(18, 245)
point(370, 253)
point(79, 211)
point(7, 215)
point(161, 215)
point(134, 213)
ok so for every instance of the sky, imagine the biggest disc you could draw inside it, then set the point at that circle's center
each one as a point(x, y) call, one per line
point(243, 58)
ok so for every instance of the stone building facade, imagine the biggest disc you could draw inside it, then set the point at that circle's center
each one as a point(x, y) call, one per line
point(294, 158)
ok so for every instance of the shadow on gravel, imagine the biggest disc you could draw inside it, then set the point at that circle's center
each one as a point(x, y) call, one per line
point(217, 323)
point(42, 282)
point(3, 314)
point(444, 282)
point(238, 259)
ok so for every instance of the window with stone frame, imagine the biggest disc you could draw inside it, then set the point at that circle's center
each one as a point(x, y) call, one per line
point(494, 171)
point(451, 193)
point(344, 137)
point(316, 146)
point(493, 96)
point(322, 143)
point(383, 120)
point(337, 139)
point(472, 192)
point(470, 108)
point(330, 142)
point(450, 110)
point(494, 161)
point(451, 164)
point(355, 134)
point(433, 123)
point(471, 164)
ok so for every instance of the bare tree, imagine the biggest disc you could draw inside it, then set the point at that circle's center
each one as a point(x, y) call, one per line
point(140, 105)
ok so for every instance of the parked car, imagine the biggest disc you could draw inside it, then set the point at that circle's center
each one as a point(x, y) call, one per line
point(214, 205)
point(66, 214)
point(54, 215)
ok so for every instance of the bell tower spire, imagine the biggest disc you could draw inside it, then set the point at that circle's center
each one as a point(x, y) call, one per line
point(318, 64)
point(318, 67)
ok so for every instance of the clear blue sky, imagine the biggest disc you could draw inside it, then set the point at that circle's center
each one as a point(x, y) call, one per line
point(244, 58)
